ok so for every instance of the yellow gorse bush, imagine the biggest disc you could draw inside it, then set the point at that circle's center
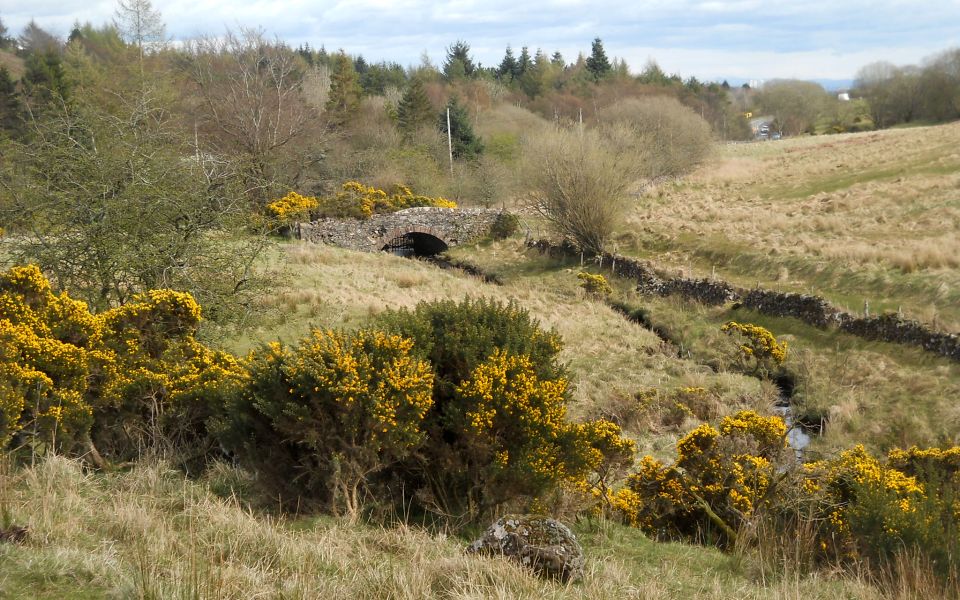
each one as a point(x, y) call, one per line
point(63, 368)
point(319, 420)
point(595, 285)
point(719, 478)
point(520, 422)
point(836, 482)
point(372, 387)
point(515, 414)
point(292, 207)
point(757, 345)
point(360, 201)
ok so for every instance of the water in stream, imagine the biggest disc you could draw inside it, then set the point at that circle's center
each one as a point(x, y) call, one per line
point(796, 436)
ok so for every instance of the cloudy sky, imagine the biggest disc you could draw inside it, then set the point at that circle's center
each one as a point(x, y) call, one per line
point(712, 39)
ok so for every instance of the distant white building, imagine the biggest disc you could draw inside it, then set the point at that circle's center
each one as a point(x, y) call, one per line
point(843, 96)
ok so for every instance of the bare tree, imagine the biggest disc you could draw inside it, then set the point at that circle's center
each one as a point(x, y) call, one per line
point(138, 22)
point(795, 105)
point(250, 107)
point(35, 39)
point(580, 182)
point(873, 82)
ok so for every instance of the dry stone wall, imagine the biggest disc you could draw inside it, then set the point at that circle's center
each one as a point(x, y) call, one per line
point(810, 309)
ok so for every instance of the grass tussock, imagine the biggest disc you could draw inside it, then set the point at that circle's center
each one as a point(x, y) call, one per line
point(149, 533)
point(854, 217)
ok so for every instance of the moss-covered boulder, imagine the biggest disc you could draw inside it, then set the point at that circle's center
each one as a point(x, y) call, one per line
point(544, 545)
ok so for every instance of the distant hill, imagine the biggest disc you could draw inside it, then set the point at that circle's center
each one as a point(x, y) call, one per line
point(13, 63)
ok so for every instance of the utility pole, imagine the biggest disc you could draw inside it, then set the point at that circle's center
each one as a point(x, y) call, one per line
point(449, 141)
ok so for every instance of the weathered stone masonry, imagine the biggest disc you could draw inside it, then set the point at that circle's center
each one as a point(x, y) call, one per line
point(810, 309)
point(452, 226)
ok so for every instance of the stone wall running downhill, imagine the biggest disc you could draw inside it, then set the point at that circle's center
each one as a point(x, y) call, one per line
point(813, 310)
point(452, 226)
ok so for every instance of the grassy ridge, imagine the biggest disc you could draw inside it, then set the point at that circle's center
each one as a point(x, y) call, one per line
point(876, 393)
point(860, 217)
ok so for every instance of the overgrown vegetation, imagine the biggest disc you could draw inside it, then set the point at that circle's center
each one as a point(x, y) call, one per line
point(144, 180)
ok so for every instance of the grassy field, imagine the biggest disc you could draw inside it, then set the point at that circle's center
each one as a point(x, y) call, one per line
point(872, 216)
point(858, 217)
point(879, 394)
point(149, 533)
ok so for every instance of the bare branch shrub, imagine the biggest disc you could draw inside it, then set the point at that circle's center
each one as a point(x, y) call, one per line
point(580, 182)
point(670, 137)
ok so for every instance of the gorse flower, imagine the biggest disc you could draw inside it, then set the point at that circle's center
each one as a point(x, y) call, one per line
point(63, 368)
point(291, 207)
point(360, 201)
point(757, 346)
point(595, 285)
point(720, 474)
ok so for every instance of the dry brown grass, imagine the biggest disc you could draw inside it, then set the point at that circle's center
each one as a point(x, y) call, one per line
point(853, 217)
point(13, 63)
point(151, 534)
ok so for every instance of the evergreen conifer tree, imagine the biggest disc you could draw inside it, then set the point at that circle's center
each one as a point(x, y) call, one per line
point(44, 79)
point(344, 99)
point(597, 62)
point(414, 110)
point(466, 144)
point(458, 64)
point(524, 64)
point(508, 66)
point(532, 81)
point(11, 110)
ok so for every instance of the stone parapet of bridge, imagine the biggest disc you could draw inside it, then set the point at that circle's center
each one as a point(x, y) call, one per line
point(452, 226)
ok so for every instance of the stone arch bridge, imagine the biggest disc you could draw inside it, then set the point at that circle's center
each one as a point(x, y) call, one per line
point(421, 230)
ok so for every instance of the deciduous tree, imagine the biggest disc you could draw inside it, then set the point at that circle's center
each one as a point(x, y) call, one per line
point(139, 23)
point(249, 110)
point(111, 200)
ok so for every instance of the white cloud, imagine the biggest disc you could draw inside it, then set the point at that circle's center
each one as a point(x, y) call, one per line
point(706, 38)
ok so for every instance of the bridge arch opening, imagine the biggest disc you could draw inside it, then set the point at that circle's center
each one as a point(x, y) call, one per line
point(415, 243)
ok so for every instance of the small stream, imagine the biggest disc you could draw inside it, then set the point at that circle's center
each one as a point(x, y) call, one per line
point(798, 432)
point(797, 437)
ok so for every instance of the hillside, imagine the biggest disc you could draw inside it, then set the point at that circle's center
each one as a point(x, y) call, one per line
point(856, 218)
point(146, 531)
point(13, 63)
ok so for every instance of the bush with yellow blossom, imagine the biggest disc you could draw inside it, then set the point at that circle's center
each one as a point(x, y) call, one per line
point(758, 350)
point(320, 422)
point(292, 207)
point(873, 509)
point(66, 373)
point(360, 201)
point(499, 432)
point(594, 285)
point(720, 478)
